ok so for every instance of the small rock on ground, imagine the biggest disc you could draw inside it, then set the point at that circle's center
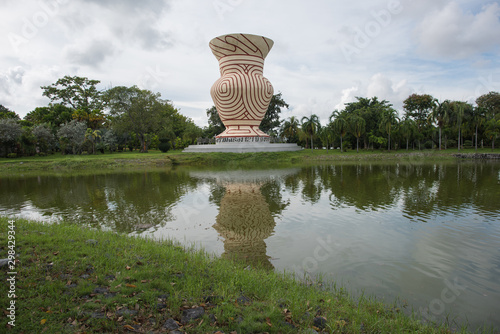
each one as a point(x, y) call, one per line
point(126, 312)
point(319, 322)
point(192, 314)
point(310, 331)
point(98, 315)
point(100, 290)
point(243, 300)
point(170, 324)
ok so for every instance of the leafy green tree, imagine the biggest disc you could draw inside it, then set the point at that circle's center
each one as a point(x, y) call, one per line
point(371, 110)
point(340, 125)
point(27, 141)
point(82, 95)
point(54, 115)
point(135, 110)
point(493, 131)
point(357, 126)
point(419, 107)
point(72, 136)
point(7, 113)
point(214, 122)
point(10, 133)
point(311, 126)
point(388, 122)
point(191, 132)
point(44, 138)
point(94, 118)
point(271, 120)
point(491, 104)
point(110, 140)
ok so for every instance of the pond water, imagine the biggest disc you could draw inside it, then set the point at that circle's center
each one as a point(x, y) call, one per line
point(425, 233)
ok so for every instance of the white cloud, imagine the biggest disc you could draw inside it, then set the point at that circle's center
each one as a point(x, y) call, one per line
point(92, 55)
point(13, 77)
point(348, 95)
point(379, 85)
point(453, 33)
point(385, 89)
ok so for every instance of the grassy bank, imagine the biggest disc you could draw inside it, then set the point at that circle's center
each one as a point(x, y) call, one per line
point(58, 162)
point(75, 280)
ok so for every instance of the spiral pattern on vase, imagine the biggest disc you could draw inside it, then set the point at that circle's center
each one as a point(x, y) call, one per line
point(242, 94)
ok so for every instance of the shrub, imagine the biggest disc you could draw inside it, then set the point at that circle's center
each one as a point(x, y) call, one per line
point(179, 144)
point(468, 144)
point(45, 140)
point(164, 145)
point(429, 144)
point(12, 155)
point(72, 136)
point(451, 143)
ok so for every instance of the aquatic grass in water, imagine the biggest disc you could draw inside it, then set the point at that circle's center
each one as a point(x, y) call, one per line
point(72, 279)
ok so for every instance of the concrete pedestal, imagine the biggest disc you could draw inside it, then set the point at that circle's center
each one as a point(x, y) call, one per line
point(242, 148)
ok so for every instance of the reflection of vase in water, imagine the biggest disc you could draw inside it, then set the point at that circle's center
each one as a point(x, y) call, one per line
point(245, 221)
point(242, 94)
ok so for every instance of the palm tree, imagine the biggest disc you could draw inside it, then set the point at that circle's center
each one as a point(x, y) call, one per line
point(459, 113)
point(477, 118)
point(357, 125)
point(340, 125)
point(326, 136)
point(92, 135)
point(441, 114)
point(311, 127)
point(493, 131)
point(290, 128)
point(408, 128)
point(388, 120)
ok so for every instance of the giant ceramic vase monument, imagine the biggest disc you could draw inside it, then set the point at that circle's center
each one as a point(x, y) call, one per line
point(241, 95)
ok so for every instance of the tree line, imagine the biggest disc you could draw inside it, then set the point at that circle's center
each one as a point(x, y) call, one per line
point(80, 118)
point(426, 123)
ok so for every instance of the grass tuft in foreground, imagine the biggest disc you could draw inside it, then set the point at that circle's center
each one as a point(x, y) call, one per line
point(76, 280)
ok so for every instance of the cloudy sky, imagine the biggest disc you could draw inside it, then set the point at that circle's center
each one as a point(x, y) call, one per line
point(326, 52)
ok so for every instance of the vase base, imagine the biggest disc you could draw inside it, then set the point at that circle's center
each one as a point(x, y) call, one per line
point(242, 131)
point(230, 140)
point(242, 147)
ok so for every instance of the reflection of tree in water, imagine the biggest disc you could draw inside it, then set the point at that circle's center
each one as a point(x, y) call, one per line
point(245, 221)
point(366, 187)
point(306, 182)
point(450, 186)
point(116, 201)
point(421, 187)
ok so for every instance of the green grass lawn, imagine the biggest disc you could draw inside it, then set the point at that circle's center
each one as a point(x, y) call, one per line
point(71, 279)
point(58, 162)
